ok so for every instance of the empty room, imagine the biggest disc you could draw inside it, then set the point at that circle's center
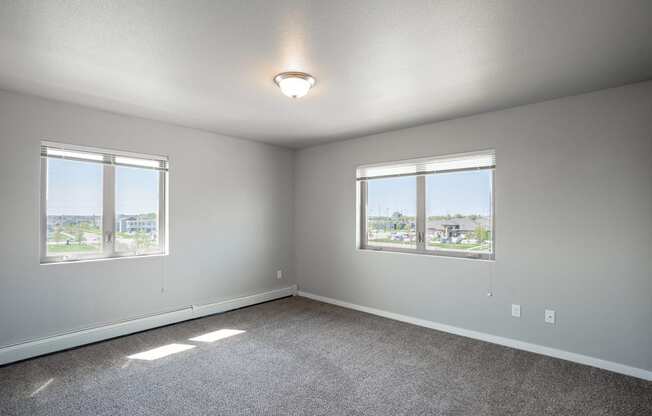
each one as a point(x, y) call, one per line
point(362, 207)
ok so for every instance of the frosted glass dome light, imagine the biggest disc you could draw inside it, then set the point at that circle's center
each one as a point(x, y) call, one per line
point(294, 84)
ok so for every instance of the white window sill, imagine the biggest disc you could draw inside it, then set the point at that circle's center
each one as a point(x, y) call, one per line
point(101, 259)
point(434, 254)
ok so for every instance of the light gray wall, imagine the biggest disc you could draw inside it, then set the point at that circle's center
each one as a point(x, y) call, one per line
point(231, 208)
point(573, 217)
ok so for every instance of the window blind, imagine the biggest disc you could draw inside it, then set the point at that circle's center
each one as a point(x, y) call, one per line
point(424, 166)
point(104, 156)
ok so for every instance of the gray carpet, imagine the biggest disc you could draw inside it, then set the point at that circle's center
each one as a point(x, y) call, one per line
point(301, 357)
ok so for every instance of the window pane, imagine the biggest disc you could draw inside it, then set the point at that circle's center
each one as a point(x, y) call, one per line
point(391, 212)
point(137, 206)
point(74, 208)
point(458, 209)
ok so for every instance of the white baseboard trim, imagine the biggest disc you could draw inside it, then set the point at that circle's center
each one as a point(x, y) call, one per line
point(508, 342)
point(60, 342)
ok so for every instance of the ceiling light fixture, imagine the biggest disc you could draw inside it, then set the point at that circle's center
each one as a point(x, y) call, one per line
point(294, 84)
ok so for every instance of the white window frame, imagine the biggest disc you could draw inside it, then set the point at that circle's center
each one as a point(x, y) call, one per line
point(108, 201)
point(421, 214)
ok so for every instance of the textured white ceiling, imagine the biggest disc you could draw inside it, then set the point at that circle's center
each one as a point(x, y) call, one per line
point(379, 65)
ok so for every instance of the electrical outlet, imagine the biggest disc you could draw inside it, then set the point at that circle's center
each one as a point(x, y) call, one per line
point(516, 311)
point(279, 274)
point(550, 316)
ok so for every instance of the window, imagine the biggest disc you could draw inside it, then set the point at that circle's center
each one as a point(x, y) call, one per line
point(439, 205)
point(458, 211)
point(98, 203)
point(137, 210)
point(391, 212)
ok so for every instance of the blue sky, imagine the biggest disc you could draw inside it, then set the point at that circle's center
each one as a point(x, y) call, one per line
point(386, 196)
point(447, 193)
point(136, 190)
point(75, 188)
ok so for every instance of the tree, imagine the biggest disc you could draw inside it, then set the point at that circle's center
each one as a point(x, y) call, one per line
point(79, 235)
point(143, 240)
point(57, 236)
point(481, 233)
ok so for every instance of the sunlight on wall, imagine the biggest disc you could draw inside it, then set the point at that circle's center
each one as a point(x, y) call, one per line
point(160, 352)
point(217, 335)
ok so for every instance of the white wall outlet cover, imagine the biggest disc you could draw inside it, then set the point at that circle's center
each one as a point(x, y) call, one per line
point(550, 316)
point(516, 310)
point(279, 274)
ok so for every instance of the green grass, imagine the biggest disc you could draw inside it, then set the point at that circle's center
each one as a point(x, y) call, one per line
point(460, 246)
point(388, 240)
point(72, 248)
point(454, 246)
point(450, 246)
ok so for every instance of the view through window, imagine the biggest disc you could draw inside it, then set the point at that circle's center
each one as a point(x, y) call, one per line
point(97, 203)
point(458, 209)
point(442, 205)
point(137, 205)
point(74, 211)
point(391, 212)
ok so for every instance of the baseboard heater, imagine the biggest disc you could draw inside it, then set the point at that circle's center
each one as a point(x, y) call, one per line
point(64, 341)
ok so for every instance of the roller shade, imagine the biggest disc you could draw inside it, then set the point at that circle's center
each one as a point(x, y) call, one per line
point(425, 166)
point(54, 150)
